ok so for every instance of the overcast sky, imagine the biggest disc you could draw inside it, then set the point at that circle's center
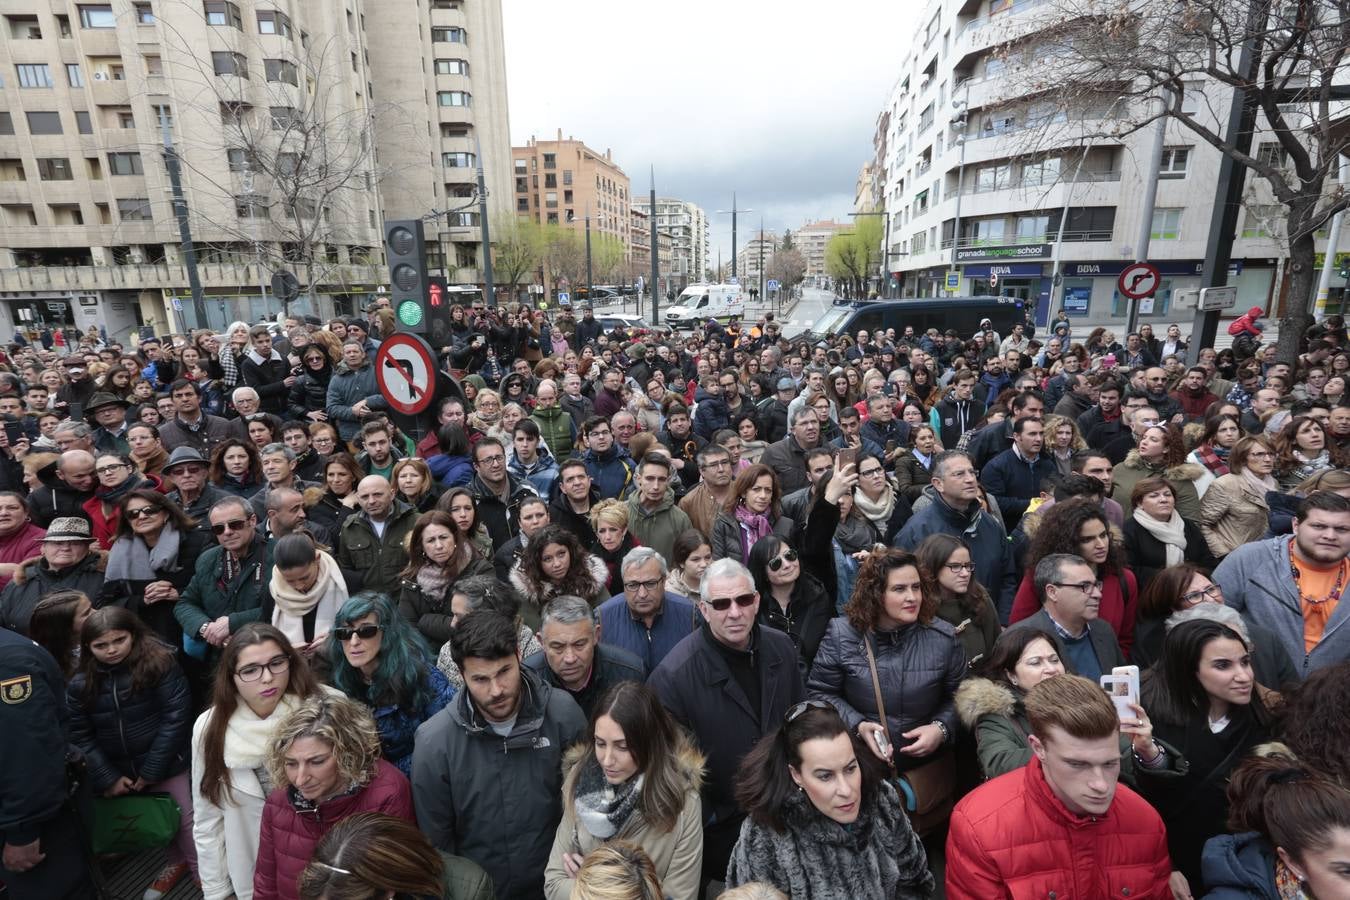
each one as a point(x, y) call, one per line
point(774, 100)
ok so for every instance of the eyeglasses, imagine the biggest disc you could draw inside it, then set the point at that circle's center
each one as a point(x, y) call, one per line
point(492, 460)
point(870, 472)
point(722, 604)
point(232, 525)
point(789, 556)
point(276, 665)
point(142, 511)
point(1086, 587)
point(958, 568)
point(109, 469)
point(1260, 454)
point(796, 710)
point(365, 632)
point(717, 464)
point(1193, 598)
point(641, 587)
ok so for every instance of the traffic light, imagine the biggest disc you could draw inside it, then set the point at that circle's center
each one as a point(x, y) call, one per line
point(405, 247)
point(437, 310)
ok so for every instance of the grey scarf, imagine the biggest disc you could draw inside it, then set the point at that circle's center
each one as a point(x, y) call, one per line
point(602, 808)
point(131, 560)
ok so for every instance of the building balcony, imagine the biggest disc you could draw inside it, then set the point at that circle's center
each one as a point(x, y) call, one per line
point(1022, 18)
point(167, 276)
point(1039, 189)
point(109, 93)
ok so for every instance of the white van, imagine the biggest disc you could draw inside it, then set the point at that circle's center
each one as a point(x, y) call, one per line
point(700, 302)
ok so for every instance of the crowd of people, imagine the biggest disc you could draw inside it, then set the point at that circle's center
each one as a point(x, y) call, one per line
point(649, 615)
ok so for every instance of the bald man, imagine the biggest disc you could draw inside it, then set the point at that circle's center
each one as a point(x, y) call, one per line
point(371, 544)
point(74, 484)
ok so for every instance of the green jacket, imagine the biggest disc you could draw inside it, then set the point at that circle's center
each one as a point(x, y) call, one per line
point(660, 527)
point(370, 563)
point(464, 879)
point(241, 600)
point(1181, 477)
point(556, 429)
point(994, 712)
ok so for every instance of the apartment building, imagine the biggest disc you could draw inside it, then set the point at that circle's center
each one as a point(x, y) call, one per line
point(640, 257)
point(687, 225)
point(752, 260)
point(811, 240)
point(439, 75)
point(89, 91)
point(988, 176)
point(562, 181)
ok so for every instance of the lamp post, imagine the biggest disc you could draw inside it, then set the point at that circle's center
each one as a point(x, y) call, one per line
point(733, 211)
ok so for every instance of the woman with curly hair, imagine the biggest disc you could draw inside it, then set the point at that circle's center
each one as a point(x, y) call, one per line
point(554, 563)
point(325, 760)
point(1305, 448)
point(753, 510)
point(1161, 452)
point(892, 618)
point(963, 602)
point(1062, 441)
point(1312, 721)
point(1079, 527)
point(236, 468)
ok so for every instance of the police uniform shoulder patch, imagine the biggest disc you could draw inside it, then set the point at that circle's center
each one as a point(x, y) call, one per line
point(16, 690)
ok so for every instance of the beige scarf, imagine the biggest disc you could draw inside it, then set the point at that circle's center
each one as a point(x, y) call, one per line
point(878, 512)
point(1172, 533)
point(327, 595)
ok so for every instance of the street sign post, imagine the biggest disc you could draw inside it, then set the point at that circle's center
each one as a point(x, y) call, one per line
point(771, 285)
point(285, 286)
point(953, 281)
point(405, 370)
point(1212, 298)
point(1139, 280)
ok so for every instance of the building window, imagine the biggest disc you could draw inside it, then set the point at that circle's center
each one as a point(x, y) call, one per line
point(448, 36)
point(126, 120)
point(553, 218)
point(522, 185)
point(453, 98)
point(226, 63)
point(44, 122)
point(1174, 162)
point(273, 22)
point(97, 17)
point(458, 160)
point(1166, 225)
point(519, 164)
point(1263, 221)
point(281, 70)
point(145, 14)
point(238, 160)
point(452, 67)
point(223, 13)
point(154, 65)
point(82, 122)
point(133, 209)
point(125, 164)
point(1269, 152)
point(54, 168)
point(567, 176)
point(35, 75)
point(73, 75)
point(550, 180)
point(550, 160)
point(567, 196)
point(250, 206)
point(522, 204)
point(551, 199)
point(7, 122)
point(284, 117)
point(233, 113)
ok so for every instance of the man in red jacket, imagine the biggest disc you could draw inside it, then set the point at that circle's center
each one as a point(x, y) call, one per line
point(1061, 826)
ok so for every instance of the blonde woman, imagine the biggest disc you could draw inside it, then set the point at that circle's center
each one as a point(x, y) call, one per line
point(325, 760)
point(414, 484)
point(617, 871)
point(487, 410)
point(609, 521)
point(1062, 441)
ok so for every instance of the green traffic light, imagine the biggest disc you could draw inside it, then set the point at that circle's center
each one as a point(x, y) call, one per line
point(410, 313)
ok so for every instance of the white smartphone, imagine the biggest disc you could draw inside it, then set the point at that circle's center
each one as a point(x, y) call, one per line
point(1123, 687)
point(883, 745)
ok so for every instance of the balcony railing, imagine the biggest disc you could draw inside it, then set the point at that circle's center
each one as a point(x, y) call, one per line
point(1026, 184)
point(166, 275)
point(1000, 17)
point(1070, 237)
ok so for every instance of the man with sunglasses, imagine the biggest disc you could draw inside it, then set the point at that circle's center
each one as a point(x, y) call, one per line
point(730, 683)
point(231, 581)
point(1071, 598)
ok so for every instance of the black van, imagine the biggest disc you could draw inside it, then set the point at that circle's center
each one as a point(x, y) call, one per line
point(961, 313)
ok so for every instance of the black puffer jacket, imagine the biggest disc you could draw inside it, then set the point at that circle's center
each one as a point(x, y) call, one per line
point(309, 393)
point(431, 614)
point(808, 615)
point(137, 733)
point(36, 580)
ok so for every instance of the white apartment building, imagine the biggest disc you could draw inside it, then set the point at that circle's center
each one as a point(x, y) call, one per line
point(979, 166)
point(687, 225)
point(753, 259)
point(811, 240)
point(90, 238)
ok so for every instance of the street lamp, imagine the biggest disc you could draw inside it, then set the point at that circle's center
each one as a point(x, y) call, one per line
point(733, 211)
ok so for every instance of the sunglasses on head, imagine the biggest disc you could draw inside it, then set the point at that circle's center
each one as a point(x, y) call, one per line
point(796, 711)
point(364, 632)
point(722, 604)
point(778, 562)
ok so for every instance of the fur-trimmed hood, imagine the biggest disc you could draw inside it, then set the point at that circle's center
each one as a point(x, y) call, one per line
point(594, 564)
point(689, 766)
point(978, 697)
point(1185, 471)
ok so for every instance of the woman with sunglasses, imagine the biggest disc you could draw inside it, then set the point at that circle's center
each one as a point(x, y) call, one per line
point(236, 468)
point(117, 477)
point(636, 778)
point(379, 659)
point(554, 563)
point(258, 681)
point(963, 602)
point(791, 600)
point(880, 498)
point(823, 820)
point(308, 398)
point(918, 657)
point(152, 560)
point(324, 761)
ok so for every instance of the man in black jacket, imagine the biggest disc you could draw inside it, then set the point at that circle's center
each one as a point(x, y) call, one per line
point(263, 369)
point(588, 330)
point(574, 660)
point(66, 563)
point(994, 439)
point(730, 683)
point(66, 494)
point(958, 413)
point(574, 497)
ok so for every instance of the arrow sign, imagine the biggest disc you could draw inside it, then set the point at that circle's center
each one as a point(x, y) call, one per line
point(405, 370)
point(1139, 280)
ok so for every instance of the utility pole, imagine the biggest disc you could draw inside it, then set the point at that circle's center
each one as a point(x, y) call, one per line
point(961, 119)
point(590, 288)
point(734, 210)
point(1150, 201)
point(1333, 242)
point(656, 253)
point(488, 284)
point(180, 212)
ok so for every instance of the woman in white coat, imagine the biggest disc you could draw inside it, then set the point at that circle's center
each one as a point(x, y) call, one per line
point(260, 678)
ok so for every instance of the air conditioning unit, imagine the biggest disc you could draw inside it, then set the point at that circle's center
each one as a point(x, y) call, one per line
point(100, 76)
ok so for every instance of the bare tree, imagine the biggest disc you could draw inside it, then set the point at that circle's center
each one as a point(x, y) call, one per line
point(1141, 60)
point(788, 267)
point(517, 249)
point(565, 256)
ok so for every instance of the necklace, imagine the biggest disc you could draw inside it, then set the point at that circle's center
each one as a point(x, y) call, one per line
point(1335, 588)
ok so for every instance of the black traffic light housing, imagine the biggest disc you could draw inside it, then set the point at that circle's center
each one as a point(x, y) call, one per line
point(405, 248)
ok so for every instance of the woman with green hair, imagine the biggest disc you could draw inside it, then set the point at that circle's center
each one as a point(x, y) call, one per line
point(380, 659)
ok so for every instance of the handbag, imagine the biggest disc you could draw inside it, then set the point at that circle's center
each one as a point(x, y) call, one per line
point(927, 790)
point(134, 822)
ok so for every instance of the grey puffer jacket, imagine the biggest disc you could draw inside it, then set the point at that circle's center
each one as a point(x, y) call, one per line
point(919, 667)
point(815, 858)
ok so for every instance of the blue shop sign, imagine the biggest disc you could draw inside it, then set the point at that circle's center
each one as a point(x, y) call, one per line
point(1004, 270)
point(1165, 267)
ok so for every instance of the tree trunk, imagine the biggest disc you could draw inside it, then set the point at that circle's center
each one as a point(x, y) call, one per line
point(1297, 319)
